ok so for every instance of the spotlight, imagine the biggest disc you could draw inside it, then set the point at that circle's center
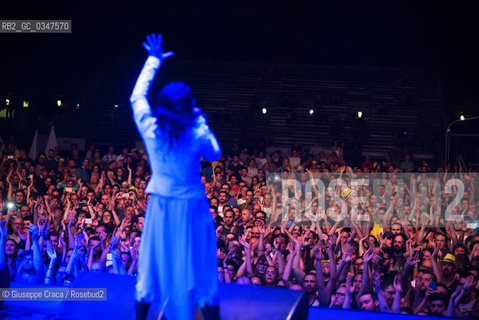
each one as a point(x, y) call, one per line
point(59, 103)
point(7, 102)
point(462, 117)
point(360, 114)
point(264, 110)
point(116, 106)
point(78, 106)
point(26, 104)
point(10, 204)
point(311, 112)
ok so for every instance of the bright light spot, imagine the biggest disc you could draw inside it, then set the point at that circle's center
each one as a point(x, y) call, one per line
point(59, 103)
point(10, 205)
point(311, 111)
point(462, 117)
point(26, 104)
point(264, 110)
point(7, 102)
point(116, 106)
point(78, 106)
point(360, 114)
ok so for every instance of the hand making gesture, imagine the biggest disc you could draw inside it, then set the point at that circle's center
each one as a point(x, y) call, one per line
point(154, 47)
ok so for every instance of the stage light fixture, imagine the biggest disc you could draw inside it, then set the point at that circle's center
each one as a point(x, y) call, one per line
point(264, 110)
point(7, 102)
point(59, 103)
point(462, 117)
point(78, 106)
point(26, 103)
point(360, 114)
point(116, 106)
point(311, 112)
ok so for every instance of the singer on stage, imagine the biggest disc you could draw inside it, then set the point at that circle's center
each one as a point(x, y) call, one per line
point(177, 259)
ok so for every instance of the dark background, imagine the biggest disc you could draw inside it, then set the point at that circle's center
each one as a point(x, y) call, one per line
point(438, 35)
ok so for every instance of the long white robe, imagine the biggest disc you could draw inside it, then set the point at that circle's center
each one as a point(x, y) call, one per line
point(177, 267)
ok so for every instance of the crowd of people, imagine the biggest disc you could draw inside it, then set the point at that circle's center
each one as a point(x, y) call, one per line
point(68, 212)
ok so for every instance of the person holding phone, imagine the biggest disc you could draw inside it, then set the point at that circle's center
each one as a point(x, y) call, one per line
point(179, 231)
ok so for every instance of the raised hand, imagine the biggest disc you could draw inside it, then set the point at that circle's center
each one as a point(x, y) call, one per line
point(368, 255)
point(52, 254)
point(103, 236)
point(352, 235)
point(153, 45)
point(469, 282)
point(114, 241)
point(34, 231)
point(348, 254)
point(412, 259)
point(317, 251)
point(261, 227)
point(22, 237)
point(349, 286)
point(79, 240)
point(71, 220)
point(225, 264)
point(332, 243)
point(3, 229)
point(456, 293)
point(397, 283)
point(243, 240)
point(132, 240)
point(375, 260)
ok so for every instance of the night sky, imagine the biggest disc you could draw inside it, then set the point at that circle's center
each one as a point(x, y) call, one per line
point(437, 35)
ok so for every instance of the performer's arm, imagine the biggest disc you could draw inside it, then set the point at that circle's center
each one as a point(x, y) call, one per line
point(142, 114)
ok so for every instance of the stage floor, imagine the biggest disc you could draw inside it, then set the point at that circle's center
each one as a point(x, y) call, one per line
point(236, 303)
point(25, 313)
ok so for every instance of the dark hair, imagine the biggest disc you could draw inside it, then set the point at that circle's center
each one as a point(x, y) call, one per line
point(373, 295)
point(431, 273)
point(438, 296)
point(53, 234)
point(459, 245)
point(387, 281)
point(175, 110)
point(226, 193)
point(229, 210)
point(404, 238)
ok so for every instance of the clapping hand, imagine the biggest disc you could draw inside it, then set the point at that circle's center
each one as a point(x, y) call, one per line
point(153, 45)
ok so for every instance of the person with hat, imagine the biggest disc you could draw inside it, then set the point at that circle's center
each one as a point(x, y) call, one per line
point(446, 271)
